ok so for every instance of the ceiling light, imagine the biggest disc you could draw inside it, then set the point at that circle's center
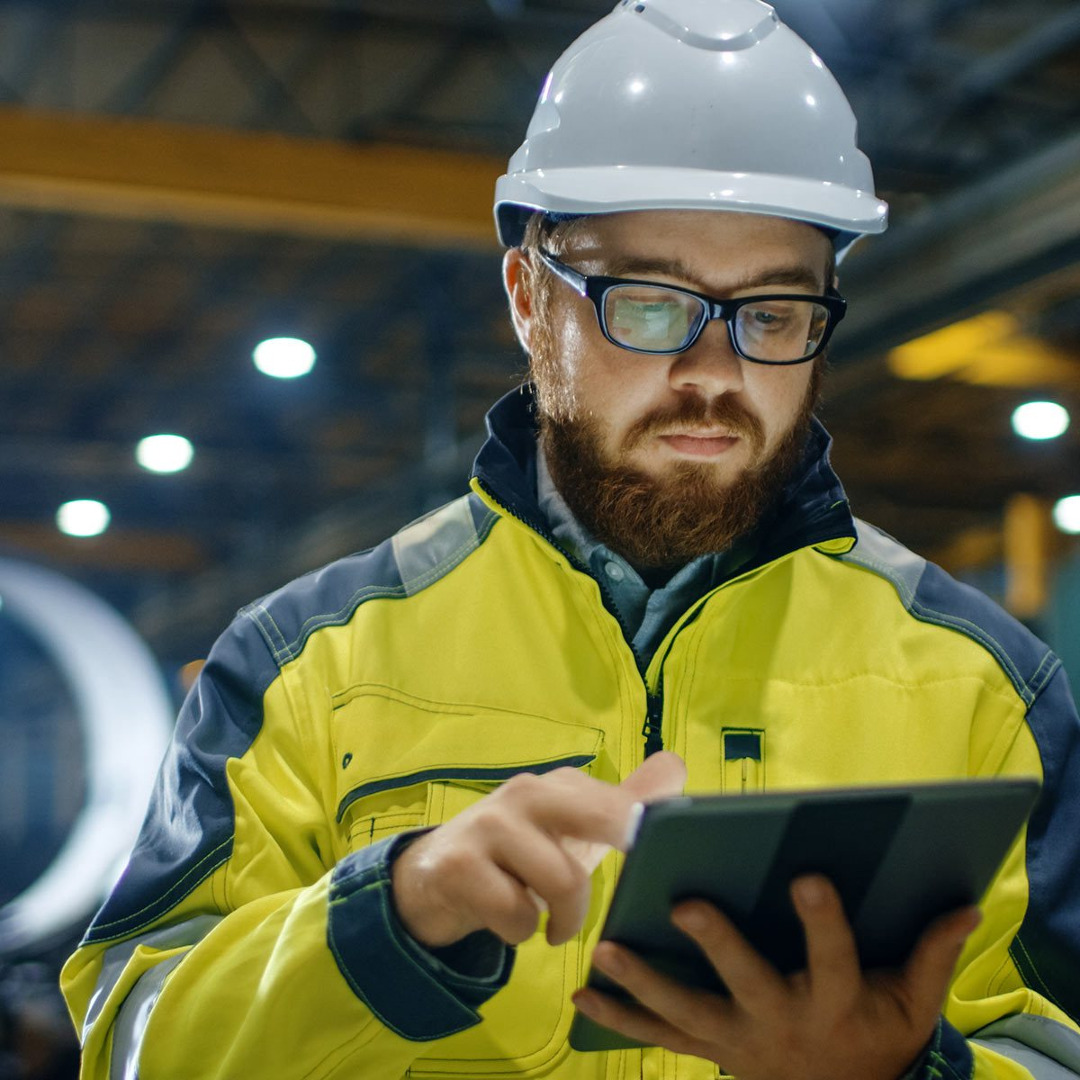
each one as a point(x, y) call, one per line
point(1040, 420)
point(1067, 514)
point(284, 357)
point(83, 517)
point(164, 453)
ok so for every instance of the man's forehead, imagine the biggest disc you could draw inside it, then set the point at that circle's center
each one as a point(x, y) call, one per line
point(697, 245)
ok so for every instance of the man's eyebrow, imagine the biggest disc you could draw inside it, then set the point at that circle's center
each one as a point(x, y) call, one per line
point(795, 276)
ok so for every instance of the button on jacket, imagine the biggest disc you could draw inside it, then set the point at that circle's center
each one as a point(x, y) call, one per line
point(252, 933)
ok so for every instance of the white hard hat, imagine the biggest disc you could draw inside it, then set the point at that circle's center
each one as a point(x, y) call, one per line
point(692, 104)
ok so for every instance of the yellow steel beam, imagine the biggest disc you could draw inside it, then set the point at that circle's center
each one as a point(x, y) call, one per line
point(201, 176)
point(117, 549)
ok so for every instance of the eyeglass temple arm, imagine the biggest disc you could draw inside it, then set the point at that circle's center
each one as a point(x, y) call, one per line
point(572, 278)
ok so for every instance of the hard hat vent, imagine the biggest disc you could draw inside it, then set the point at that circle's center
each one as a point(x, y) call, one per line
point(707, 25)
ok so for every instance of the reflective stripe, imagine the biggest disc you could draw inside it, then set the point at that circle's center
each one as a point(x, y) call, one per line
point(1046, 1048)
point(116, 957)
point(1040, 1067)
point(131, 1021)
point(429, 548)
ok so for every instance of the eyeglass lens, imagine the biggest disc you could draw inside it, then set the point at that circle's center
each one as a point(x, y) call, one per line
point(665, 320)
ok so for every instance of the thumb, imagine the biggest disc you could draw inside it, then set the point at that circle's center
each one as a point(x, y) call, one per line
point(660, 776)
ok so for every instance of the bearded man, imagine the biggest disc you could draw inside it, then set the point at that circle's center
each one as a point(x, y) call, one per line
point(381, 843)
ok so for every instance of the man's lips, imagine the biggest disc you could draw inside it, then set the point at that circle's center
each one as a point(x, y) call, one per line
point(700, 444)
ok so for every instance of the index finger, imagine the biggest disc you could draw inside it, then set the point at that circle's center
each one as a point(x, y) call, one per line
point(566, 804)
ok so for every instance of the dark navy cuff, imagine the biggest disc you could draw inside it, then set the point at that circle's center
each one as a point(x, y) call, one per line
point(412, 991)
point(947, 1056)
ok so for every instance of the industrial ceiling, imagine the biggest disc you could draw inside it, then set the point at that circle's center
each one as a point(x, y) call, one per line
point(180, 180)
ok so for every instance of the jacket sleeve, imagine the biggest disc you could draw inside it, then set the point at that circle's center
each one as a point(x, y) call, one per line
point(236, 944)
point(1013, 1011)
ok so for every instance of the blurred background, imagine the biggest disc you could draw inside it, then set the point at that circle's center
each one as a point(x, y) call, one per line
point(185, 184)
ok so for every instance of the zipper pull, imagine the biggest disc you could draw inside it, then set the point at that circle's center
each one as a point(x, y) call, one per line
point(654, 715)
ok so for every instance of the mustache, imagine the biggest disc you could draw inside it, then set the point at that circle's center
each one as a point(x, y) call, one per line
point(693, 412)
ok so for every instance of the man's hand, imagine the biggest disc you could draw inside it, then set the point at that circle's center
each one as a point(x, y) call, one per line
point(531, 844)
point(829, 1022)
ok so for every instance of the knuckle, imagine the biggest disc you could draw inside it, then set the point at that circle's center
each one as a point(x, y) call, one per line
point(514, 921)
point(457, 859)
point(520, 785)
point(567, 772)
point(566, 882)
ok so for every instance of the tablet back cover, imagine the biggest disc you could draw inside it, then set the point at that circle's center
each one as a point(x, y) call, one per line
point(900, 856)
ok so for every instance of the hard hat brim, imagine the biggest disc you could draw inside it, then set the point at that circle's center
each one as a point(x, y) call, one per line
point(848, 212)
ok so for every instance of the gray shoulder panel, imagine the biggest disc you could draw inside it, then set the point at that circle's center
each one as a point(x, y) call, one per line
point(879, 552)
point(429, 548)
point(932, 596)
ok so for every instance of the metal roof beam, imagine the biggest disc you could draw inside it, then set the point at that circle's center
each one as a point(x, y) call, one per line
point(955, 258)
point(268, 183)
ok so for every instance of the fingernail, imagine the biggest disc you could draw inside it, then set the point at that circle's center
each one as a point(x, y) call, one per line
point(811, 891)
point(690, 918)
point(609, 960)
point(972, 922)
point(633, 823)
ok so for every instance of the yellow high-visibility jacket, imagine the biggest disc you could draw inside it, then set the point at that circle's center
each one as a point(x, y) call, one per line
point(253, 935)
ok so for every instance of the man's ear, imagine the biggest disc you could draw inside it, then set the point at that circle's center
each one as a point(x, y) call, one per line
point(519, 282)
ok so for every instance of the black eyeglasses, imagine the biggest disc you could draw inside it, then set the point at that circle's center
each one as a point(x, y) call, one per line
point(644, 317)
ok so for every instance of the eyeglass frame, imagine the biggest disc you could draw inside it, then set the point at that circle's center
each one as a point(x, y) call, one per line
point(595, 287)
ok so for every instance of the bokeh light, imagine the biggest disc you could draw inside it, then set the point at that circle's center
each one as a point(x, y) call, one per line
point(1067, 514)
point(284, 357)
point(83, 517)
point(164, 453)
point(1040, 420)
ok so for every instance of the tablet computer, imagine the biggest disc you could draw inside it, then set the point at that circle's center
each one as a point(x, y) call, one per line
point(899, 856)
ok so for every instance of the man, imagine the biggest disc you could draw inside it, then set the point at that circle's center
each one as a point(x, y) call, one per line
point(380, 843)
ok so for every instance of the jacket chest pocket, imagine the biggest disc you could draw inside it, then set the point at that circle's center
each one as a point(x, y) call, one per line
point(398, 757)
point(406, 763)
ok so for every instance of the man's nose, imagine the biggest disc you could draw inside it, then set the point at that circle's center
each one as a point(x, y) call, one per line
point(710, 365)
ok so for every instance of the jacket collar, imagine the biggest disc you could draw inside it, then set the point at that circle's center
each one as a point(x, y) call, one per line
point(812, 509)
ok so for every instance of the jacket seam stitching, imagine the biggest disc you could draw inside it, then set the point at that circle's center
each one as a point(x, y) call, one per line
point(347, 973)
point(447, 563)
point(1027, 689)
point(1030, 963)
point(164, 896)
point(1054, 662)
point(267, 627)
point(290, 650)
point(952, 622)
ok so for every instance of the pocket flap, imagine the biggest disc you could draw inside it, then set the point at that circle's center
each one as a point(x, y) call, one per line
point(385, 739)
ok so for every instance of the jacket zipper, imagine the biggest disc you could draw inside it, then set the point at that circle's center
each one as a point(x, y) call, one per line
point(654, 718)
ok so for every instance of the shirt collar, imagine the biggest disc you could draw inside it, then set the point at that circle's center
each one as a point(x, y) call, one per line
point(576, 540)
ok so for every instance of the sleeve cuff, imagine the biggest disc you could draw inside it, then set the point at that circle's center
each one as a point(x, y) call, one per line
point(946, 1057)
point(415, 992)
